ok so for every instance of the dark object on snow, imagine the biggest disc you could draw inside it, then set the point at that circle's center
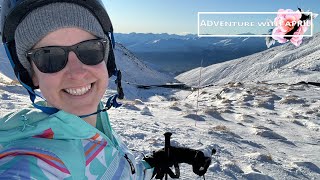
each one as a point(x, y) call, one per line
point(169, 85)
point(119, 85)
point(310, 83)
point(170, 156)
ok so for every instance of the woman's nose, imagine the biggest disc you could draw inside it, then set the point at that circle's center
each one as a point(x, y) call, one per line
point(76, 69)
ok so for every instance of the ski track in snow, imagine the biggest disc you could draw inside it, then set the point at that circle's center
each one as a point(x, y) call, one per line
point(260, 131)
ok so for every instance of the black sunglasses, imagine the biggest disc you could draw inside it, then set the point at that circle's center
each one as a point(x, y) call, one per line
point(52, 59)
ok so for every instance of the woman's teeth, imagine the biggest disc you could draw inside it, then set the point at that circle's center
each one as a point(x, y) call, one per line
point(78, 91)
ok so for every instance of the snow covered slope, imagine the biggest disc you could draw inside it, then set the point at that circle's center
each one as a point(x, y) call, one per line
point(261, 131)
point(5, 66)
point(4, 79)
point(135, 71)
point(285, 63)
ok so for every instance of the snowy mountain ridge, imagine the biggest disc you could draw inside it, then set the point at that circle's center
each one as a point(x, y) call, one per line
point(286, 63)
point(135, 71)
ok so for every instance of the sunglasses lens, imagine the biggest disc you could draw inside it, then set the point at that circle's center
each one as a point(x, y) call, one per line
point(50, 60)
point(91, 52)
point(53, 59)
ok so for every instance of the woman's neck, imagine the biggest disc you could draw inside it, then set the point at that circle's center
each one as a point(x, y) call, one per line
point(92, 120)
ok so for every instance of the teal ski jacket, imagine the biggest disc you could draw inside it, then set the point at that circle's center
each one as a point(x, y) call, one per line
point(35, 145)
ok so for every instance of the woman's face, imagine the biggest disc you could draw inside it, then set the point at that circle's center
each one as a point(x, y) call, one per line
point(77, 88)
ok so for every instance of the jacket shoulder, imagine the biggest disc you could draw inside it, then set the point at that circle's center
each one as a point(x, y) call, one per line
point(15, 119)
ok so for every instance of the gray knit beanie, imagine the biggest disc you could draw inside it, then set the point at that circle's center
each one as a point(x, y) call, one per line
point(41, 21)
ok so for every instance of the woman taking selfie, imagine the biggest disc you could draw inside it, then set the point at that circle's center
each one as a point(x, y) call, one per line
point(64, 48)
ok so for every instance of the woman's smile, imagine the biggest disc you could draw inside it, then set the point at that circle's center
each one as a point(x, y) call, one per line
point(79, 90)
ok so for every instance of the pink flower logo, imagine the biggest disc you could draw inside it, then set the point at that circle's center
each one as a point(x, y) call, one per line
point(290, 26)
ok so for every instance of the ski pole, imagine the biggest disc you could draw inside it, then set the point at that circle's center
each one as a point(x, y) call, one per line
point(167, 136)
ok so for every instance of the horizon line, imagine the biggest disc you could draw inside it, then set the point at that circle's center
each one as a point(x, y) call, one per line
point(195, 34)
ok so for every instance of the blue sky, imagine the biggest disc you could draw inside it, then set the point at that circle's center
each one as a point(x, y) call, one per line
point(180, 16)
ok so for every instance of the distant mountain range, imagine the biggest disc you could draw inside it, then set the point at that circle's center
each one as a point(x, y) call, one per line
point(175, 53)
